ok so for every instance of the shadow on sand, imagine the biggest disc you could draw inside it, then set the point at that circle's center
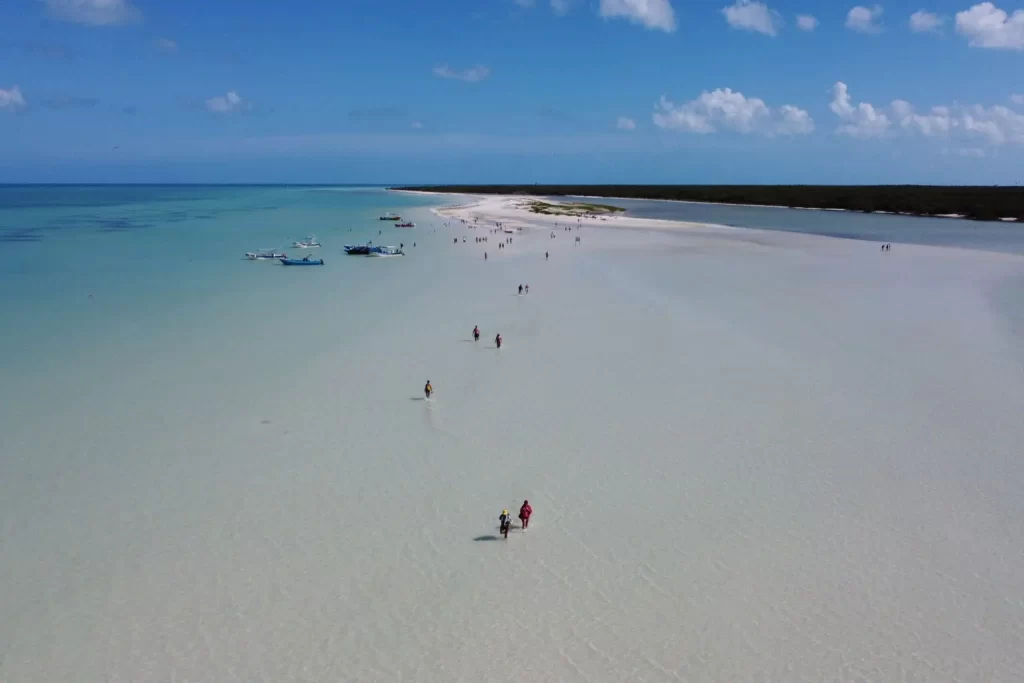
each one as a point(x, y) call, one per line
point(488, 538)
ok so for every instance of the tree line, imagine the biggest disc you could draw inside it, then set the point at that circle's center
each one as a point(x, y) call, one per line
point(984, 203)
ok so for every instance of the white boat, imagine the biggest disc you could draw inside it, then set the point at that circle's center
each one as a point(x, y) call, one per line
point(265, 255)
point(310, 242)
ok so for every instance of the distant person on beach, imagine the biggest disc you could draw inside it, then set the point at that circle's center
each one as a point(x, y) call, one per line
point(546, 256)
point(497, 340)
point(428, 389)
point(520, 289)
point(476, 333)
point(485, 256)
point(524, 514)
point(527, 289)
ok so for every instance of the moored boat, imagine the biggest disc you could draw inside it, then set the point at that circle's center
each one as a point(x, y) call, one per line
point(386, 251)
point(358, 249)
point(407, 224)
point(265, 255)
point(307, 261)
point(310, 242)
point(390, 217)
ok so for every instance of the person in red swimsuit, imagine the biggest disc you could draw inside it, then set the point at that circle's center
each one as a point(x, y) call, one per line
point(524, 514)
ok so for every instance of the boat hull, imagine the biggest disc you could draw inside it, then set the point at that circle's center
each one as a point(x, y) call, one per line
point(302, 262)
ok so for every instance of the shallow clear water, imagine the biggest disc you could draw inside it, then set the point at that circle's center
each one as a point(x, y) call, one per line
point(945, 232)
point(751, 456)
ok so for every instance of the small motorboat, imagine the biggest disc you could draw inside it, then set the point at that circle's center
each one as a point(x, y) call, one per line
point(407, 224)
point(358, 249)
point(307, 261)
point(386, 251)
point(390, 217)
point(265, 255)
point(310, 242)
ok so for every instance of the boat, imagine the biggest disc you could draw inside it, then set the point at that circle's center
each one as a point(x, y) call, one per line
point(390, 217)
point(307, 261)
point(310, 242)
point(385, 251)
point(358, 249)
point(407, 224)
point(265, 255)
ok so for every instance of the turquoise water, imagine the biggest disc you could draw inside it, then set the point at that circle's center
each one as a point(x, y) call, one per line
point(82, 265)
point(944, 232)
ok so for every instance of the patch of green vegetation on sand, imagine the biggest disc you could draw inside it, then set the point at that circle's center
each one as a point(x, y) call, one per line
point(570, 208)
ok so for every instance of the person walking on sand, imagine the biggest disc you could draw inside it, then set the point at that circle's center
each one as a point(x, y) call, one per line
point(497, 340)
point(524, 514)
point(546, 256)
point(506, 521)
point(520, 289)
point(527, 289)
point(476, 333)
point(428, 390)
point(485, 256)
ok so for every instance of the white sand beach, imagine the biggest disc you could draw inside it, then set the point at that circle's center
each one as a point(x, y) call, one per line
point(752, 456)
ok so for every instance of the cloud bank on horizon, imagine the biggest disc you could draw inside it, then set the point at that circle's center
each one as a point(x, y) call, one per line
point(765, 70)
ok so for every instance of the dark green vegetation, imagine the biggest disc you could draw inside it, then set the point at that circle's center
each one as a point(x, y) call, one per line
point(570, 208)
point(980, 203)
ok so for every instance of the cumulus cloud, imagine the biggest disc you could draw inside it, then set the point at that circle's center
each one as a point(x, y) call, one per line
point(473, 75)
point(995, 125)
point(985, 25)
point(864, 19)
point(94, 12)
point(625, 123)
point(654, 14)
point(166, 45)
point(750, 15)
point(925, 22)
point(806, 22)
point(225, 104)
point(12, 99)
point(860, 121)
point(733, 111)
point(1017, 99)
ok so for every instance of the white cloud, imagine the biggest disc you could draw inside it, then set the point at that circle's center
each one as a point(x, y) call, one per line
point(12, 100)
point(654, 14)
point(625, 123)
point(94, 12)
point(225, 104)
point(806, 22)
point(1017, 99)
point(732, 111)
point(750, 15)
point(996, 125)
point(985, 25)
point(560, 7)
point(166, 45)
point(864, 20)
point(862, 121)
point(925, 22)
point(473, 75)
point(417, 125)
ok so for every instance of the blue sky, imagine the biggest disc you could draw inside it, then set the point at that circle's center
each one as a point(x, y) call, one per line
point(397, 91)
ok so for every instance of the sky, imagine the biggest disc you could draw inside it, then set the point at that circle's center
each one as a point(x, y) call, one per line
point(514, 91)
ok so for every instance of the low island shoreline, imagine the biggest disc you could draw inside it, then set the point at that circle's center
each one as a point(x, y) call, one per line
point(933, 201)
